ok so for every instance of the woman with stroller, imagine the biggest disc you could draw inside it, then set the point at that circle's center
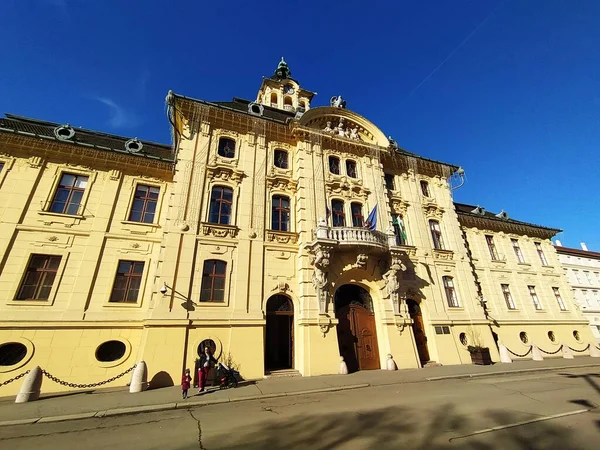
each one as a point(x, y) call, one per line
point(207, 361)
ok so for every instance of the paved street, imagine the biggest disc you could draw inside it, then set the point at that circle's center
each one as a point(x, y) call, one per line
point(426, 415)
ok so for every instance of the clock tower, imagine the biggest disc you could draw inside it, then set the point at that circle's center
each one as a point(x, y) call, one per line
point(281, 91)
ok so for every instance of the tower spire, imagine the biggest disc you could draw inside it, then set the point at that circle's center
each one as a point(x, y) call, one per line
point(283, 71)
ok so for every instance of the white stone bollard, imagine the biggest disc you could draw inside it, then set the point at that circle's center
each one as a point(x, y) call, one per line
point(343, 367)
point(594, 352)
point(139, 380)
point(566, 351)
point(536, 355)
point(31, 387)
point(504, 354)
point(390, 363)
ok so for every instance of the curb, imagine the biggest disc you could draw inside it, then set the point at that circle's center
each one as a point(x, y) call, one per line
point(508, 372)
point(172, 406)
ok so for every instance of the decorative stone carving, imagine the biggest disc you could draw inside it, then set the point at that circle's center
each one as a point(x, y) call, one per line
point(444, 255)
point(114, 174)
point(34, 161)
point(220, 231)
point(400, 206)
point(328, 128)
point(135, 245)
point(52, 238)
point(337, 101)
point(282, 237)
point(319, 278)
point(361, 261)
point(433, 211)
point(215, 172)
point(341, 187)
point(282, 183)
point(392, 284)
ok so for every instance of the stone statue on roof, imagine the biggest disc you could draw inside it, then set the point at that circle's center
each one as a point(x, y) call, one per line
point(338, 102)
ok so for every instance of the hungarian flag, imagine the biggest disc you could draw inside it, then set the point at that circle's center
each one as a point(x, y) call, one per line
point(398, 221)
point(371, 222)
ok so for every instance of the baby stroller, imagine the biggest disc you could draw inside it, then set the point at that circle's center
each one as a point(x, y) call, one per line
point(227, 377)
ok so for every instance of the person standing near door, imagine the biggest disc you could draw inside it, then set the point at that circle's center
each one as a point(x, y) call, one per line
point(206, 362)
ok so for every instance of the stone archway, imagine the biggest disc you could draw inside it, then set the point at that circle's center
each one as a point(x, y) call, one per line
point(279, 334)
point(356, 332)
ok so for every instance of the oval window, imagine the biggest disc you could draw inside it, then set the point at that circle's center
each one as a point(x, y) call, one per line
point(207, 343)
point(551, 336)
point(12, 353)
point(463, 339)
point(576, 336)
point(110, 351)
point(524, 337)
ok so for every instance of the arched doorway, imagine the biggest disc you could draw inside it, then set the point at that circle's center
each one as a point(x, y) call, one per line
point(279, 335)
point(357, 336)
point(418, 330)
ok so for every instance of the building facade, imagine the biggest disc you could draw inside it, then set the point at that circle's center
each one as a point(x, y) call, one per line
point(281, 235)
point(582, 268)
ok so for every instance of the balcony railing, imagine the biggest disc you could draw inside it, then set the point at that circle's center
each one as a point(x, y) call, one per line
point(354, 236)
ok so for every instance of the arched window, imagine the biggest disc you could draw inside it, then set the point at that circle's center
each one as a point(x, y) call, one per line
point(213, 281)
point(351, 169)
point(226, 147)
point(281, 159)
point(287, 101)
point(280, 213)
point(302, 104)
point(334, 165)
point(436, 234)
point(274, 100)
point(425, 188)
point(221, 199)
point(337, 210)
point(357, 215)
point(450, 292)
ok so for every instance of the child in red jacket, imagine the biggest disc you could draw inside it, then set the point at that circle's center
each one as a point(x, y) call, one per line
point(186, 381)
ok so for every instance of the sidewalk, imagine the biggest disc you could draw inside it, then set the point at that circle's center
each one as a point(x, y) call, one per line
point(115, 401)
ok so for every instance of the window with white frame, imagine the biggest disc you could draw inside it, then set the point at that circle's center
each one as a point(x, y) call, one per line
point(559, 300)
point(517, 249)
point(436, 234)
point(534, 298)
point(450, 290)
point(540, 252)
point(586, 297)
point(510, 303)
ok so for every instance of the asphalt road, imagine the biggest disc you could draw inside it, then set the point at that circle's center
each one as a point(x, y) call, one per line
point(538, 411)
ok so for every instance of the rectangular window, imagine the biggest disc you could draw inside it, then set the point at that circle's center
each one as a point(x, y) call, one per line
point(450, 292)
point(534, 298)
point(540, 252)
point(144, 203)
point(213, 281)
point(436, 235)
point(68, 195)
point(586, 298)
point(442, 329)
point(357, 215)
point(351, 169)
point(39, 277)
point(127, 282)
point(399, 229)
point(1, 166)
point(507, 297)
point(424, 188)
point(595, 294)
point(559, 299)
point(334, 165)
point(337, 210)
point(280, 214)
point(576, 275)
point(281, 159)
point(517, 249)
point(587, 276)
point(492, 248)
point(389, 181)
point(221, 199)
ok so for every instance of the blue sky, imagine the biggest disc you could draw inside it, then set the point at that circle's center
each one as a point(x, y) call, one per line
point(510, 90)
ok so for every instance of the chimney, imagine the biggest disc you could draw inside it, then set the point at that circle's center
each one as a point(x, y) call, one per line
point(584, 247)
point(558, 243)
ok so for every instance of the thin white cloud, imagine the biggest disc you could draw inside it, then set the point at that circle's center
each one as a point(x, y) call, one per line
point(119, 117)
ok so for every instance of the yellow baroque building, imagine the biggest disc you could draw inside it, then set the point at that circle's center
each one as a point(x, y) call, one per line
point(280, 235)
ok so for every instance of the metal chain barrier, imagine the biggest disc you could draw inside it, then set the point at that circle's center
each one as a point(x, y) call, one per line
point(551, 353)
point(84, 386)
point(520, 356)
point(14, 378)
point(580, 351)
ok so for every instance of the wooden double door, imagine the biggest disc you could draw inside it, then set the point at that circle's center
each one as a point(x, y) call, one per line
point(279, 335)
point(357, 338)
point(418, 330)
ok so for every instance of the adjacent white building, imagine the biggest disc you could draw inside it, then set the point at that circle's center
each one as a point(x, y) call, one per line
point(582, 268)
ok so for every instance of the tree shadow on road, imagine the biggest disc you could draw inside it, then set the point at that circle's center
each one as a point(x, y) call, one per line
point(392, 428)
